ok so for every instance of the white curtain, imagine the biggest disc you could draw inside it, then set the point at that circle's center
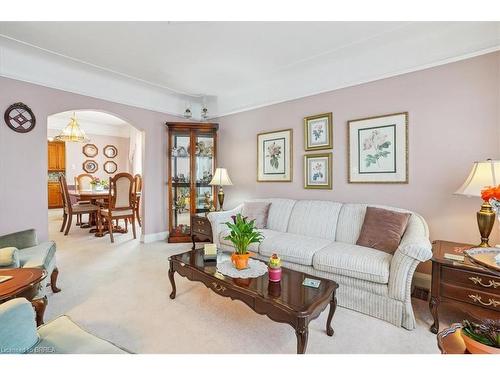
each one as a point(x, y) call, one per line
point(135, 151)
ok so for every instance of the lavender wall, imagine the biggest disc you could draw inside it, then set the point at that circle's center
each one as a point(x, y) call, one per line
point(23, 157)
point(453, 121)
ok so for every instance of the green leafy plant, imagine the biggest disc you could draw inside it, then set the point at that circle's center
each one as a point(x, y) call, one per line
point(243, 233)
point(486, 331)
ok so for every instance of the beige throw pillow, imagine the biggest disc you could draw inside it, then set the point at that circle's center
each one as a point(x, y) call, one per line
point(257, 211)
point(383, 229)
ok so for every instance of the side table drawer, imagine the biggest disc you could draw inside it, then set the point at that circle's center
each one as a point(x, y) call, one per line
point(475, 280)
point(472, 296)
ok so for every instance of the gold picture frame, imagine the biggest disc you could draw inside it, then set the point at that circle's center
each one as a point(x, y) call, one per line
point(319, 176)
point(318, 132)
point(282, 165)
point(400, 173)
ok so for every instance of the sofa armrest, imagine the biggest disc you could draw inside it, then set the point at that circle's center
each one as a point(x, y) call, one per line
point(9, 257)
point(218, 218)
point(417, 248)
point(18, 333)
point(21, 240)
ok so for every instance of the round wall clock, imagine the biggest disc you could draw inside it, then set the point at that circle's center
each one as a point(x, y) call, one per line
point(110, 167)
point(20, 118)
point(90, 166)
point(90, 150)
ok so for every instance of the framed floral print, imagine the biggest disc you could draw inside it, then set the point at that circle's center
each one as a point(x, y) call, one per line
point(318, 132)
point(318, 171)
point(274, 156)
point(378, 149)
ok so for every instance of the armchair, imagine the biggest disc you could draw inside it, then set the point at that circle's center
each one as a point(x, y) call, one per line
point(19, 335)
point(29, 254)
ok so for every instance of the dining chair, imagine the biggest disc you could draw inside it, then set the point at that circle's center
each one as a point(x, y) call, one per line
point(83, 182)
point(121, 203)
point(71, 209)
point(137, 194)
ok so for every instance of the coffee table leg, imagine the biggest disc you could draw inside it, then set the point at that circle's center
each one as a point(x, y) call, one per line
point(172, 280)
point(302, 333)
point(333, 307)
point(39, 304)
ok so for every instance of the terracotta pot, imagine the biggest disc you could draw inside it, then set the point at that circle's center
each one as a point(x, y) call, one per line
point(476, 347)
point(240, 261)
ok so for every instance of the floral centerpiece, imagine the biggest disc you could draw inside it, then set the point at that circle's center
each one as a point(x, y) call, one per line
point(98, 184)
point(242, 234)
point(482, 337)
point(491, 194)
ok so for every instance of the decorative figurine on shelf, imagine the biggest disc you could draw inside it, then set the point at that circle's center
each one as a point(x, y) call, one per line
point(208, 202)
point(274, 268)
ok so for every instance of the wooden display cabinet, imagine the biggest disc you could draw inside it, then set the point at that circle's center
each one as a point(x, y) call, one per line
point(192, 155)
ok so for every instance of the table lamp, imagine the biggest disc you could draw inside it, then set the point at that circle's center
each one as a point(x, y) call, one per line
point(483, 174)
point(221, 178)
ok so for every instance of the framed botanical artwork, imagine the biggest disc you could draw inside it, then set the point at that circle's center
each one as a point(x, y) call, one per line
point(378, 149)
point(318, 132)
point(318, 171)
point(274, 156)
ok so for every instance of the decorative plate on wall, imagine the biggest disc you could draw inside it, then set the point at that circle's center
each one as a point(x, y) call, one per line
point(110, 151)
point(20, 118)
point(110, 167)
point(90, 166)
point(90, 150)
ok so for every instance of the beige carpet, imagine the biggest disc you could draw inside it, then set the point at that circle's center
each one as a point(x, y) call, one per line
point(120, 292)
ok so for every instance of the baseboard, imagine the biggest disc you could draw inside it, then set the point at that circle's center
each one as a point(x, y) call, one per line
point(153, 237)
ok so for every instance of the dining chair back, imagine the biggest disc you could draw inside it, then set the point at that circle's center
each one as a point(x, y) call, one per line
point(83, 181)
point(137, 195)
point(65, 194)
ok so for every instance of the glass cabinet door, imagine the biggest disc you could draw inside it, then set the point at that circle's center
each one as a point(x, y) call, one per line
point(180, 176)
point(204, 170)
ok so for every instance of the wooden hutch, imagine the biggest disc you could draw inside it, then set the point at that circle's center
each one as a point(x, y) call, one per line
point(192, 153)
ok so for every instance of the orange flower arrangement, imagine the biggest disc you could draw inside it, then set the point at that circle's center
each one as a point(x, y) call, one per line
point(490, 192)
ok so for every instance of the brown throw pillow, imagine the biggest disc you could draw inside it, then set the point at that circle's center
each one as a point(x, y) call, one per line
point(383, 229)
point(256, 211)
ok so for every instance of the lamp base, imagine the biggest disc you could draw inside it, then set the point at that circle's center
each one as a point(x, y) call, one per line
point(220, 195)
point(485, 221)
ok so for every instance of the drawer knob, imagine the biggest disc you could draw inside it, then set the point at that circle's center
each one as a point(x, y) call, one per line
point(478, 280)
point(491, 302)
point(218, 287)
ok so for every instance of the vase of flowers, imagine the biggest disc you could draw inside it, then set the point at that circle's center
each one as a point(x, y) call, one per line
point(482, 337)
point(243, 233)
point(274, 268)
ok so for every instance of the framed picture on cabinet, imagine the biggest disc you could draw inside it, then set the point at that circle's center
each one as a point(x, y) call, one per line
point(378, 149)
point(274, 156)
point(318, 171)
point(318, 132)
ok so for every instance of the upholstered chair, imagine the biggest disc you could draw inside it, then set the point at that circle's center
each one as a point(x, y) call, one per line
point(19, 334)
point(121, 204)
point(137, 195)
point(22, 249)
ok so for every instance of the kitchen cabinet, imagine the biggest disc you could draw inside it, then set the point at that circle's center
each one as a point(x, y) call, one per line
point(55, 197)
point(56, 156)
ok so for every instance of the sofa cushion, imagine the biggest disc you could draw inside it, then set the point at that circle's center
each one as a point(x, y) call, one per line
point(315, 218)
point(17, 326)
point(382, 229)
point(39, 256)
point(293, 247)
point(354, 261)
point(254, 247)
point(63, 336)
point(9, 257)
point(257, 211)
point(279, 213)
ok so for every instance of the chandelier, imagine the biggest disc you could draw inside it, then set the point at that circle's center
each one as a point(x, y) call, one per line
point(72, 132)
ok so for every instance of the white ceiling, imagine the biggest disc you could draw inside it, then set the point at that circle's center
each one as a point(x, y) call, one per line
point(241, 65)
point(91, 122)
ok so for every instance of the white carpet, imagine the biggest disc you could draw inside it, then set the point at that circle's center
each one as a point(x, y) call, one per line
point(121, 292)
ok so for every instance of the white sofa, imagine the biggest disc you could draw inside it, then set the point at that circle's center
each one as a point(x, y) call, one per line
point(319, 238)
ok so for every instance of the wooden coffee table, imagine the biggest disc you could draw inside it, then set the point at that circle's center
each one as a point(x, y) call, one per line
point(25, 283)
point(285, 302)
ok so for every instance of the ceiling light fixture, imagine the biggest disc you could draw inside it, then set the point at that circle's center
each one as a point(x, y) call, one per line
point(72, 132)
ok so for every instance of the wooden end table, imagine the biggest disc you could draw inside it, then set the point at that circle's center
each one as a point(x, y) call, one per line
point(201, 230)
point(25, 282)
point(467, 287)
point(285, 302)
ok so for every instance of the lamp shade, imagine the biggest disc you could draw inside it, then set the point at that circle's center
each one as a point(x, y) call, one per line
point(221, 178)
point(483, 173)
point(72, 132)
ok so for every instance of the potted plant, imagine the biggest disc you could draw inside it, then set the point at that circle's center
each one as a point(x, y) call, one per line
point(243, 233)
point(482, 337)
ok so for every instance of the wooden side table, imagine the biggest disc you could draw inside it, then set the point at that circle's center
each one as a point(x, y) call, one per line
point(25, 282)
point(201, 230)
point(467, 287)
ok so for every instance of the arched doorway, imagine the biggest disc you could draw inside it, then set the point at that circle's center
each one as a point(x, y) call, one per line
point(113, 146)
